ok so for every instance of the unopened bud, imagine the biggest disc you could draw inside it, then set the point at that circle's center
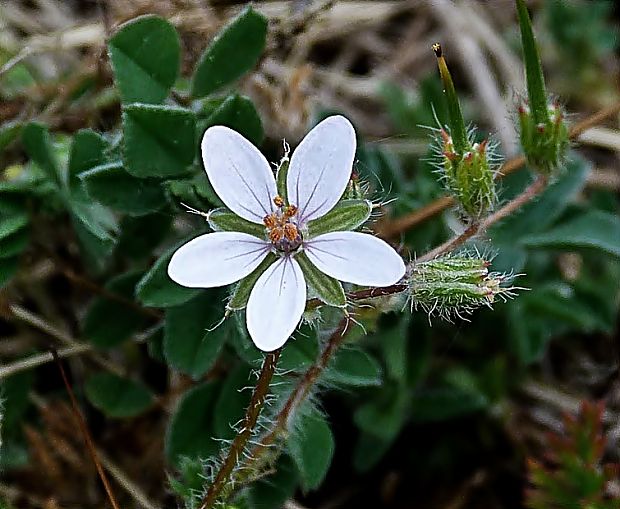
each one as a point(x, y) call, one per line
point(453, 286)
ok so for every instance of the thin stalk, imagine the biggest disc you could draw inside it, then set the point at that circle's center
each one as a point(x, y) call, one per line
point(249, 422)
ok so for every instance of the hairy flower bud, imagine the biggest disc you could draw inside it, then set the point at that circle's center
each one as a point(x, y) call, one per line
point(467, 168)
point(455, 285)
point(544, 143)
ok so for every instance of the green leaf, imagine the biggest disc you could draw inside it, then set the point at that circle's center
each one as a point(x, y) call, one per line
point(87, 151)
point(384, 415)
point(354, 367)
point(238, 113)
point(347, 215)
point(188, 345)
point(8, 268)
point(112, 186)
point(312, 448)
point(145, 54)
point(12, 225)
point(232, 402)
point(189, 430)
point(94, 217)
point(328, 289)
point(141, 235)
point(157, 290)
point(14, 244)
point(160, 141)
point(301, 351)
point(233, 52)
point(394, 343)
point(9, 132)
point(223, 220)
point(104, 332)
point(443, 403)
point(273, 491)
point(242, 290)
point(533, 69)
point(116, 396)
point(593, 229)
point(38, 146)
point(542, 212)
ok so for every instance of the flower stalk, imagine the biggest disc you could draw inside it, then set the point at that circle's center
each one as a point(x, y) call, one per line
point(223, 476)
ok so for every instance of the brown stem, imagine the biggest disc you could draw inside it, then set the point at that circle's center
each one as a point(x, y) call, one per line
point(85, 433)
point(249, 422)
point(302, 389)
point(402, 224)
point(452, 244)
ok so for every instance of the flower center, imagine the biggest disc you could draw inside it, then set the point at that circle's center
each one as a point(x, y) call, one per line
point(281, 230)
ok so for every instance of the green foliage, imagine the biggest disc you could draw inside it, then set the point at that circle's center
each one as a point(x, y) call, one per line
point(191, 339)
point(312, 448)
point(189, 431)
point(145, 55)
point(159, 141)
point(231, 54)
point(97, 326)
point(594, 230)
point(116, 396)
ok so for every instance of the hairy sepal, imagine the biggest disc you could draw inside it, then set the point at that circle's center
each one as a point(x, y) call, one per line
point(327, 289)
point(347, 215)
point(223, 220)
point(241, 293)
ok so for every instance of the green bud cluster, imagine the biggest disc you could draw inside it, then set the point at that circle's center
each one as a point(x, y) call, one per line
point(455, 285)
point(467, 168)
point(545, 143)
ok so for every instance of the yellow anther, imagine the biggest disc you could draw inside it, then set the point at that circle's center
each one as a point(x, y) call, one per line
point(290, 211)
point(279, 201)
point(290, 232)
point(270, 221)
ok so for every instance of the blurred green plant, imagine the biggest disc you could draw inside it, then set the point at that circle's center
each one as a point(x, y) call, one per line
point(573, 475)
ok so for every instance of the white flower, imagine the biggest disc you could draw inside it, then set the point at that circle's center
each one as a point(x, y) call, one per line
point(319, 171)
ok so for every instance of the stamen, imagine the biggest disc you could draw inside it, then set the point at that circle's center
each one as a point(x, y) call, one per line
point(290, 231)
point(276, 234)
point(270, 221)
point(279, 201)
point(290, 211)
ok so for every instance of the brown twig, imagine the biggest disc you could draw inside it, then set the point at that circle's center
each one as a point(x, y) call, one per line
point(86, 435)
point(402, 224)
point(249, 422)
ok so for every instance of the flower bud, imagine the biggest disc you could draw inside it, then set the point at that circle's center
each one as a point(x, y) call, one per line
point(543, 131)
point(544, 143)
point(467, 168)
point(452, 286)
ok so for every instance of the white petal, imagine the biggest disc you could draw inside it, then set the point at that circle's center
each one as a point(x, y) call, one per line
point(216, 259)
point(276, 304)
point(321, 167)
point(239, 173)
point(356, 257)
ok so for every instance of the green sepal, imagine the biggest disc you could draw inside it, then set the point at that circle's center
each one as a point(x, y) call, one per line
point(533, 68)
point(281, 175)
point(223, 220)
point(328, 289)
point(347, 215)
point(241, 294)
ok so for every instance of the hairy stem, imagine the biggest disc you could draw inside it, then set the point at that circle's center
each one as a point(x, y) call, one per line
point(249, 422)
